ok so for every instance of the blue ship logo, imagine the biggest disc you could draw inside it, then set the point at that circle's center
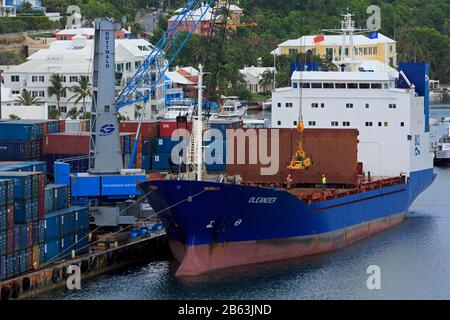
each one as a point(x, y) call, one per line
point(107, 129)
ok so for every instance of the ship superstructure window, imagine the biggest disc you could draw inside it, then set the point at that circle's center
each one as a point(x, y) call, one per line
point(314, 105)
point(352, 85)
point(386, 124)
point(392, 106)
point(295, 123)
point(279, 104)
point(316, 85)
point(322, 105)
point(279, 123)
point(364, 86)
point(369, 124)
point(289, 105)
point(305, 85)
point(328, 85)
point(367, 106)
point(380, 124)
point(295, 85)
point(349, 105)
point(312, 123)
point(346, 123)
point(334, 123)
point(402, 124)
point(376, 86)
point(340, 86)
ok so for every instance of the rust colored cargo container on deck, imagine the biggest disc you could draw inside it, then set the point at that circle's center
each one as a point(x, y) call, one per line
point(149, 128)
point(166, 128)
point(333, 152)
point(66, 143)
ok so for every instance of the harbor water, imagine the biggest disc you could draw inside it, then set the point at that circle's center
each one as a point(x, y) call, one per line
point(413, 257)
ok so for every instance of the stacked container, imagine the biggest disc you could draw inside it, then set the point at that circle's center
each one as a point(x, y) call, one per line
point(22, 226)
point(66, 230)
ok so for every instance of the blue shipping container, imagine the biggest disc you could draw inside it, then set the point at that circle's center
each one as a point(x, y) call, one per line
point(22, 183)
point(61, 195)
point(23, 261)
point(9, 184)
point(67, 245)
point(52, 226)
point(81, 218)
point(81, 243)
point(147, 162)
point(2, 242)
point(10, 266)
point(161, 161)
point(3, 268)
point(2, 218)
point(51, 250)
point(17, 131)
point(165, 145)
point(20, 237)
point(23, 210)
point(67, 221)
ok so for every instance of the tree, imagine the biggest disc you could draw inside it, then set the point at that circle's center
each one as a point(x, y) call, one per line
point(266, 81)
point(53, 113)
point(73, 113)
point(81, 91)
point(56, 89)
point(27, 99)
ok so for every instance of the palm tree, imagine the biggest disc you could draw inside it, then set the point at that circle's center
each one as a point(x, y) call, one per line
point(81, 91)
point(56, 89)
point(266, 80)
point(27, 99)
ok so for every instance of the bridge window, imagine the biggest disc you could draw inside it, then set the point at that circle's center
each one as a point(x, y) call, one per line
point(369, 124)
point(312, 123)
point(346, 123)
point(340, 86)
point(289, 104)
point(367, 106)
point(314, 105)
point(322, 105)
point(279, 123)
point(352, 85)
point(364, 86)
point(305, 85)
point(402, 124)
point(392, 106)
point(316, 85)
point(334, 123)
point(328, 85)
point(376, 86)
point(349, 105)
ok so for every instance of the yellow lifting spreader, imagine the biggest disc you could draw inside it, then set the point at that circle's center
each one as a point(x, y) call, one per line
point(299, 160)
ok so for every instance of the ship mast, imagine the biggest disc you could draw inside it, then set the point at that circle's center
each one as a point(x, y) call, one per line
point(348, 31)
point(199, 126)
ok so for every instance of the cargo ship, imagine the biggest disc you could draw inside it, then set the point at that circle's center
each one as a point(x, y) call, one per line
point(366, 133)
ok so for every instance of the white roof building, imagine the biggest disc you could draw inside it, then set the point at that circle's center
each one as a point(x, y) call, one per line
point(72, 59)
point(253, 75)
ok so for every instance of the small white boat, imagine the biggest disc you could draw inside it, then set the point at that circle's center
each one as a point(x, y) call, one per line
point(231, 109)
point(177, 107)
point(267, 105)
point(255, 123)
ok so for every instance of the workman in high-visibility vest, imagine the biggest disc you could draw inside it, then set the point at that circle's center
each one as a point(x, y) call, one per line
point(324, 181)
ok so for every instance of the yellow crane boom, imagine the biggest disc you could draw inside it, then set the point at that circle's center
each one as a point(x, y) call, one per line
point(299, 160)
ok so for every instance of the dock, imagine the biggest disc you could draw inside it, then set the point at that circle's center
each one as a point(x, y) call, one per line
point(95, 263)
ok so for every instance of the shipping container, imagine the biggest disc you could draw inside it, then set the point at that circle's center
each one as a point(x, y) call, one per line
point(22, 183)
point(333, 152)
point(28, 166)
point(149, 146)
point(3, 241)
point(20, 237)
point(3, 268)
point(10, 241)
point(161, 162)
point(147, 162)
point(165, 145)
point(167, 128)
point(60, 196)
point(66, 143)
point(67, 244)
point(38, 232)
point(10, 263)
point(3, 222)
point(81, 243)
point(17, 150)
point(23, 210)
point(36, 258)
point(9, 216)
point(149, 128)
point(8, 191)
point(19, 130)
point(52, 226)
point(29, 259)
point(51, 250)
point(67, 221)
point(23, 261)
point(81, 218)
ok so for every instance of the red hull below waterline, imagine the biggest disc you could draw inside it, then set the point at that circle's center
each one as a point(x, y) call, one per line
point(199, 259)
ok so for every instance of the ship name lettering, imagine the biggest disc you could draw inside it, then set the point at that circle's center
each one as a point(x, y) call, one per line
point(263, 200)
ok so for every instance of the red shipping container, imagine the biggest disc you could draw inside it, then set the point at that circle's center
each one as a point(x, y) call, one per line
point(62, 125)
point(10, 241)
point(10, 216)
point(41, 207)
point(45, 128)
point(166, 128)
point(149, 128)
point(41, 184)
point(66, 143)
point(29, 234)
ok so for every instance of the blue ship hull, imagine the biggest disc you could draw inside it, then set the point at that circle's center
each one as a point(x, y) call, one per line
point(212, 225)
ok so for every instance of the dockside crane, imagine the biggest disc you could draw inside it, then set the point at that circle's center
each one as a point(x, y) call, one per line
point(151, 72)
